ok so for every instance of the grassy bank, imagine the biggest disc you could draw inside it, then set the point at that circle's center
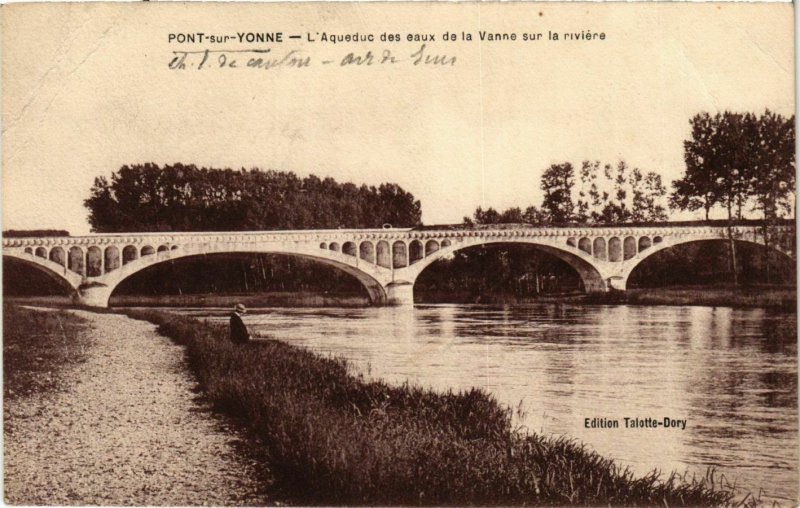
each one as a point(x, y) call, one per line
point(336, 439)
point(36, 348)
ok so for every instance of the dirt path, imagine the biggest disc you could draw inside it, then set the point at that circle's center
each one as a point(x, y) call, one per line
point(127, 430)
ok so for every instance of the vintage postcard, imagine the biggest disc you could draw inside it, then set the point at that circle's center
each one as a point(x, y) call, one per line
point(422, 253)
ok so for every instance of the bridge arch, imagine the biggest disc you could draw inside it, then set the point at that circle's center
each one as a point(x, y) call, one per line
point(661, 246)
point(375, 290)
point(58, 273)
point(593, 280)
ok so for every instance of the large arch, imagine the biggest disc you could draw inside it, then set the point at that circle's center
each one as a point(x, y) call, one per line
point(65, 279)
point(593, 281)
point(661, 246)
point(375, 291)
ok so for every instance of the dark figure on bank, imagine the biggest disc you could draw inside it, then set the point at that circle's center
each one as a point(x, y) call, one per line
point(239, 333)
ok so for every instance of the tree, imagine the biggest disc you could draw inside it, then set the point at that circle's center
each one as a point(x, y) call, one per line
point(773, 144)
point(492, 216)
point(650, 207)
point(734, 158)
point(773, 180)
point(557, 182)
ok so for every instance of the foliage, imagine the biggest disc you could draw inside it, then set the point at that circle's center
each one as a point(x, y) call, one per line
point(531, 215)
point(557, 183)
point(22, 233)
point(337, 439)
point(178, 197)
point(605, 195)
point(736, 159)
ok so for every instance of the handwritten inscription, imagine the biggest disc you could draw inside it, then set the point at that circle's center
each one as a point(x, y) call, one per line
point(266, 59)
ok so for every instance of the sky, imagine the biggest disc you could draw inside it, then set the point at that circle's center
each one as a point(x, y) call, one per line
point(87, 88)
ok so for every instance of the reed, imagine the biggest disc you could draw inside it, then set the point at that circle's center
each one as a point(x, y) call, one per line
point(335, 438)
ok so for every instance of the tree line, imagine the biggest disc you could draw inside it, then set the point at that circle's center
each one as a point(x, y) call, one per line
point(601, 194)
point(178, 197)
point(741, 163)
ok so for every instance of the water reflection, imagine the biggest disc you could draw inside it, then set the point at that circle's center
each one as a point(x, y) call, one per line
point(731, 373)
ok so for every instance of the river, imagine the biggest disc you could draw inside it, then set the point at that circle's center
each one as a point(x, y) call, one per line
point(731, 374)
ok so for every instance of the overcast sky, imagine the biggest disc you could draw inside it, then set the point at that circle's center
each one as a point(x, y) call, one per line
point(87, 88)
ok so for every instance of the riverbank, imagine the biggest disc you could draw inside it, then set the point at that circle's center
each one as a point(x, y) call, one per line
point(337, 439)
point(272, 299)
point(772, 297)
point(124, 424)
point(763, 296)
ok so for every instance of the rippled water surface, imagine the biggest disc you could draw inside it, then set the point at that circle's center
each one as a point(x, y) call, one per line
point(730, 373)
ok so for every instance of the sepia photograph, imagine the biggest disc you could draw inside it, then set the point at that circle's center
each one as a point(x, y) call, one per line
point(399, 254)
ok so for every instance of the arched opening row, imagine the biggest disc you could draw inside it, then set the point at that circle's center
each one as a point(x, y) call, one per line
point(397, 254)
point(95, 261)
point(615, 249)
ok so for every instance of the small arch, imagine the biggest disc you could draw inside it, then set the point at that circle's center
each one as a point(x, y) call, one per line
point(147, 250)
point(129, 253)
point(41, 252)
point(349, 248)
point(94, 262)
point(367, 252)
point(446, 243)
point(323, 245)
point(334, 247)
point(174, 247)
point(644, 243)
point(76, 260)
point(614, 249)
point(383, 254)
point(599, 248)
point(57, 256)
point(657, 239)
point(28, 250)
point(399, 254)
point(628, 247)
point(431, 246)
point(414, 251)
point(585, 245)
point(572, 242)
point(162, 248)
point(111, 258)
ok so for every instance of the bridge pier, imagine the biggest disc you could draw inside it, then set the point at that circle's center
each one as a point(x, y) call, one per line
point(617, 283)
point(93, 295)
point(400, 293)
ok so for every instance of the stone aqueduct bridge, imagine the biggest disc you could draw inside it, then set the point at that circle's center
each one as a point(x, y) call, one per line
point(386, 261)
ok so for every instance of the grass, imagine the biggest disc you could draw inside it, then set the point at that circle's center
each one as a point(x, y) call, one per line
point(334, 438)
point(37, 346)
